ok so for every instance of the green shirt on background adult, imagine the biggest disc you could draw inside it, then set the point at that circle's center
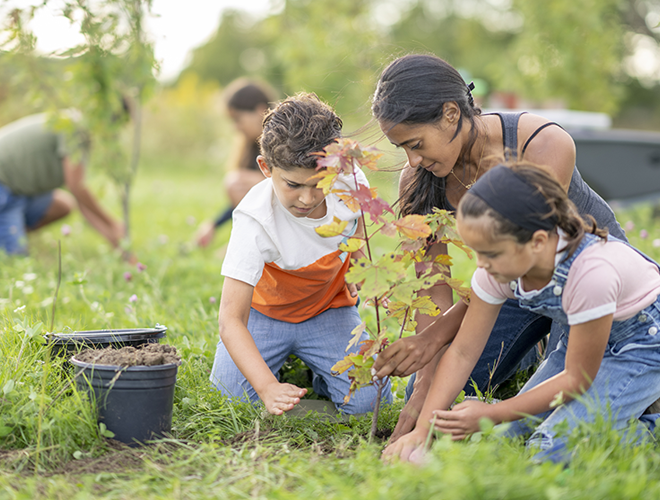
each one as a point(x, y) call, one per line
point(31, 156)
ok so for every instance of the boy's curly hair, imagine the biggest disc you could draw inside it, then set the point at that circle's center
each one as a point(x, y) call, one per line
point(297, 127)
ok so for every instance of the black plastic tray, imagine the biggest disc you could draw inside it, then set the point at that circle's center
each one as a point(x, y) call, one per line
point(98, 339)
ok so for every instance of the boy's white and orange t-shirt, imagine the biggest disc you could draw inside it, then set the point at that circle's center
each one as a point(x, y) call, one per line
point(296, 273)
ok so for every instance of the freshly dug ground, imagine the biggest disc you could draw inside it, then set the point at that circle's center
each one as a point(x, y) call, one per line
point(146, 355)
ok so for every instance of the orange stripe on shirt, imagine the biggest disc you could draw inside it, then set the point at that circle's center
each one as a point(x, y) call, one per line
point(300, 294)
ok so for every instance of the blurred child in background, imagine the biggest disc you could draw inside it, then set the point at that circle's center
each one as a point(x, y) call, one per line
point(247, 103)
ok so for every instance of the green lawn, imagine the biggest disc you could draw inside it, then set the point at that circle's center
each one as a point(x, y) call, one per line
point(50, 444)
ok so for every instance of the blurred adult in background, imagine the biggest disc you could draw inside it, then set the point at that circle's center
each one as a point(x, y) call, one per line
point(247, 102)
point(35, 162)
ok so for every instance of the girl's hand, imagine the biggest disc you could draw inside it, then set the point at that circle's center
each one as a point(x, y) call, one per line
point(279, 398)
point(462, 420)
point(408, 448)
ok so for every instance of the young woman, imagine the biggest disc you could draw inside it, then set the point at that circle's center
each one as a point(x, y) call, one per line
point(532, 246)
point(247, 103)
point(424, 107)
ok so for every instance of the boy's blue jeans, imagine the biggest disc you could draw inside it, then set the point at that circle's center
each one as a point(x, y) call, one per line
point(319, 342)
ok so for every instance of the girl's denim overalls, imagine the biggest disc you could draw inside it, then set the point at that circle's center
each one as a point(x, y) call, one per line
point(628, 380)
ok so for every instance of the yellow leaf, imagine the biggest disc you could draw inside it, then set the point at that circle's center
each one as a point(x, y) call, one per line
point(425, 305)
point(413, 227)
point(326, 184)
point(356, 333)
point(341, 366)
point(351, 203)
point(335, 228)
point(352, 245)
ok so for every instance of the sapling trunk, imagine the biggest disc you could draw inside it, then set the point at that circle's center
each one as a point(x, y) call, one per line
point(379, 395)
point(374, 418)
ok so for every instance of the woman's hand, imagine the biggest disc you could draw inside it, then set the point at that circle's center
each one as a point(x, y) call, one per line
point(279, 398)
point(409, 448)
point(408, 416)
point(462, 420)
point(406, 356)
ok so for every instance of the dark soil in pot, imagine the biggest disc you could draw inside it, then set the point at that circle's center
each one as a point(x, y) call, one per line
point(147, 355)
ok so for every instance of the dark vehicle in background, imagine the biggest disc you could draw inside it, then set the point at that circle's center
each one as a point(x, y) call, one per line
point(619, 164)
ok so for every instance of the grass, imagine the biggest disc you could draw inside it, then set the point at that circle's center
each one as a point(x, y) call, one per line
point(51, 446)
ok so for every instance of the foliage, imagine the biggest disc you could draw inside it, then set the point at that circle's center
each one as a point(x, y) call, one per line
point(393, 279)
point(111, 71)
point(529, 48)
point(580, 60)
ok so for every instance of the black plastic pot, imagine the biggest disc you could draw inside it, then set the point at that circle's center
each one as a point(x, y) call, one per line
point(134, 402)
point(67, 343)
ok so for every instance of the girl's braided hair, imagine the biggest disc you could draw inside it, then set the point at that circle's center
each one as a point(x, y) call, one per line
point(568, 217)
point(297, 127)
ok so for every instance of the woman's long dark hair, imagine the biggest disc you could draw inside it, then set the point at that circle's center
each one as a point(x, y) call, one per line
point(413, 90)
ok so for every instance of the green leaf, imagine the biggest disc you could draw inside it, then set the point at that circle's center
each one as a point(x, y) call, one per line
point(376, 279)
point(105, 432)
point(8, 387)
point(35, 331)
point(405, 291)
point(362, 374)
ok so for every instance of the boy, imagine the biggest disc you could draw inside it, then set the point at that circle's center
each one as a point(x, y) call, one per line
point(284, 291)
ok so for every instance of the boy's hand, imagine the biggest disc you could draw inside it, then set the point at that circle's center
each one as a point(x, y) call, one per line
point(279, 398)
point(352, 289)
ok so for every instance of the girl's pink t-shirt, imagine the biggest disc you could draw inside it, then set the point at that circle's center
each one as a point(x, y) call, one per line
point(606, 278)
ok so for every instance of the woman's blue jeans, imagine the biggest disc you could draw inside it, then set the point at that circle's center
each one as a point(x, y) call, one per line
point(510, 347)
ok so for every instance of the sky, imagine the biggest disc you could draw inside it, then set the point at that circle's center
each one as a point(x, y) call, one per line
point(177, 27)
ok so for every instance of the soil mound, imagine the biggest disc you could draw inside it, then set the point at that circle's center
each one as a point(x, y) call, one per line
point(146, 355)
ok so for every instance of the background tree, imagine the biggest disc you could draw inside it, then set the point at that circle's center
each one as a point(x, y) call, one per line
point(111, 73)
point(576, 53)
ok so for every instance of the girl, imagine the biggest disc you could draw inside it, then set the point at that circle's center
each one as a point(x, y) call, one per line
point(424, 107)
point(284, 290)
point(532, 246)
point(247, 103)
